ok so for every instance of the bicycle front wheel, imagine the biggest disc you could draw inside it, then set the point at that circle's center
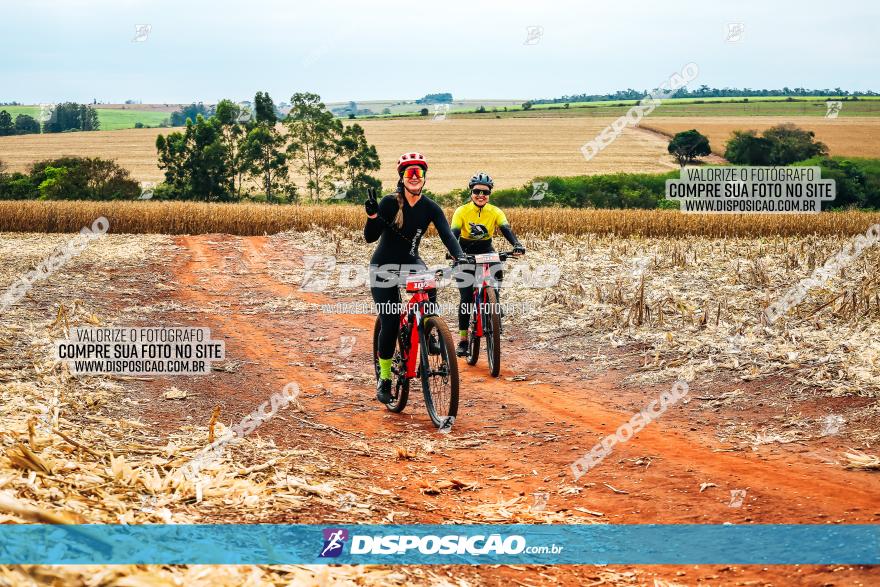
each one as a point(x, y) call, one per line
point(439, 373)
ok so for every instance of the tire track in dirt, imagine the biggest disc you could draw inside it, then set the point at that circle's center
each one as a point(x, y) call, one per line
point(529, 429)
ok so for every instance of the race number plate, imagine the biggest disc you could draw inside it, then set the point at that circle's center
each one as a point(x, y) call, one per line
point(421, 281)
point(487, 258)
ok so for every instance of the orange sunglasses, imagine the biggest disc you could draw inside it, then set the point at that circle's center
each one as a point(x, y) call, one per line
point(414, 171)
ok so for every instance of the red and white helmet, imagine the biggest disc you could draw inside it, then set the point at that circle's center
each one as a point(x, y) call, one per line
point(408, 159)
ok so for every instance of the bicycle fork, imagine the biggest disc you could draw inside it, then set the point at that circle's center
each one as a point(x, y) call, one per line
point(479, 301)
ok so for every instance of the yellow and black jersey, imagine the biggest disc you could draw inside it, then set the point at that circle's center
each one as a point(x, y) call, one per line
point(477, 224)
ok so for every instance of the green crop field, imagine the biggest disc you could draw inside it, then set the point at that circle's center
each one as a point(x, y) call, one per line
point(111, 119)
point(763, 106)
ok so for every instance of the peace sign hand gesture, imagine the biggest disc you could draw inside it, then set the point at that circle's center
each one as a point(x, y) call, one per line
point(371, 205)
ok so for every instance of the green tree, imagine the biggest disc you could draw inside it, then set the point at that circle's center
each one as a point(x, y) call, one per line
point(782, 144)
point(26, 124)
point(745, 147)
point(790, 144)
point(232, 135)
point(852, 184)
point(265, 157)
point(52, 187)
point(313, 134)
point(688, 145)
point(6, 126)
point(358, 158)
point(83, 178)
point(17, 186)
point(195, 161)
point(265, 109)
point(88, 118)
point(527, 106)
point(72, 116)
point(179, 117)
point(423, 112)
point(443, 97)
point(64, 117)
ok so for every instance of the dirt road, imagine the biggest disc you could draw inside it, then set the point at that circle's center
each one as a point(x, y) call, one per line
point(515, 436)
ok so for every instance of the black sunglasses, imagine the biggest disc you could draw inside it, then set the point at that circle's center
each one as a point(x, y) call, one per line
point(479, 192)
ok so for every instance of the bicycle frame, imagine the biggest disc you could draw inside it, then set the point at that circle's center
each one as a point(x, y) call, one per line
point(485, 281)
point(413, 316)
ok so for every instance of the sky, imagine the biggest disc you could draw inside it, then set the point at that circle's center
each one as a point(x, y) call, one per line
point(80, 50)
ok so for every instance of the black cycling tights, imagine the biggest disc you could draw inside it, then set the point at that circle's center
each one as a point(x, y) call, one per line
point(390, 321)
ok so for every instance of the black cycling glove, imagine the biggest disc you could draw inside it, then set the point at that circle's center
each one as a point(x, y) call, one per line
point(371, 205)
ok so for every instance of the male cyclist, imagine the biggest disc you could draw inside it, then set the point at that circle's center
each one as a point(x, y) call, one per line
point(398, 221)
point(474, 225)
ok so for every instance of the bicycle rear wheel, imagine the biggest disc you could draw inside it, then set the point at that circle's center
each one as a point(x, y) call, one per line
point(492, 332)
point(400, 385)
point(439, 373)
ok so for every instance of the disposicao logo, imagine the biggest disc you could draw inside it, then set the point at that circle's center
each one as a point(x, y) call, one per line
point(334, 540)
point(472, 545)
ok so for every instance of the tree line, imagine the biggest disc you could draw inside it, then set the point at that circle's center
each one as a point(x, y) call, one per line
point(69, 178)
point(65, 117)
point(705, 91)
point(223, 153)
point(783, 144)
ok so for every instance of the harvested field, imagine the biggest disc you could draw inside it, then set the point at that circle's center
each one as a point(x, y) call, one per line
point(134, 149)
point(513, 151)
point(259, 219)
point(850, 136)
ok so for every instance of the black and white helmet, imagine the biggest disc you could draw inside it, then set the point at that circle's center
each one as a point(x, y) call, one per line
point(481, 179)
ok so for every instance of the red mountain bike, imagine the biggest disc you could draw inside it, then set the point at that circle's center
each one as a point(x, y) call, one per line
point(415, 358)
point(485, 320)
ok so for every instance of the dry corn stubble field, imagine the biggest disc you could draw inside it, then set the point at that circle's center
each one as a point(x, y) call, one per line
point(648, 309)
point(514, 151)
point(851, 137)
point(260, 219)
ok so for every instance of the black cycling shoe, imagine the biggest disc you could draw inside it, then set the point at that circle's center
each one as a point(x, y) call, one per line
point(462, 349)
point(433, 344)
point(383, 391)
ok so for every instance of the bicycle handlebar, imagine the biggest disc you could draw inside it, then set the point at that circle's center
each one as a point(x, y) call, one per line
point(472, 260)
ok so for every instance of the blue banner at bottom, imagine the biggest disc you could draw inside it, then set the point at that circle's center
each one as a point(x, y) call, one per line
point(773, 544)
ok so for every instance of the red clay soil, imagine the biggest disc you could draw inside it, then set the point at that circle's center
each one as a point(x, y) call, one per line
point(535, 430)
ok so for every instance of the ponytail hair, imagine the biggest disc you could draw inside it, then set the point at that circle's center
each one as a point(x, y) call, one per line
point(398, 220)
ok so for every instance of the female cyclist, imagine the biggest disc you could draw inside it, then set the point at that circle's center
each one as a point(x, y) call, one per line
point(474, 226)
point(398, 221)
